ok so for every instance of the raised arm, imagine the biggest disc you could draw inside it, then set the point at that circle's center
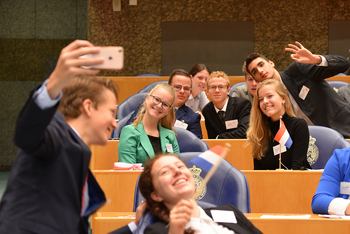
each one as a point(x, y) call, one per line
point(31, 127)
point(70, 65)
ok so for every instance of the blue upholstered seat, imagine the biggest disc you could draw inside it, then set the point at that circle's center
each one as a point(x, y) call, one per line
point(323, 141)
point(188, 142)
point(337, 84)
point(150, 86)
point(121, 124)
point(130, 104)
point(227, 186)
point(235, 85)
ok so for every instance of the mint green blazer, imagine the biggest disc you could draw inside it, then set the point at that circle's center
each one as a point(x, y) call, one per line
point(135, 146)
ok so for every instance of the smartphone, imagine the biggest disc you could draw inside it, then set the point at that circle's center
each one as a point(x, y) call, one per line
point(113, 58)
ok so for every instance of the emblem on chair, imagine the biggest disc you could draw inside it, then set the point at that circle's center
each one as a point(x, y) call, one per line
point(312, 151)
point(198, 180)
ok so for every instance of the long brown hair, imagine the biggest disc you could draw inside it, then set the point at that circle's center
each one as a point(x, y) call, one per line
point(168, 120)
point(258, 133)
point(157, 209)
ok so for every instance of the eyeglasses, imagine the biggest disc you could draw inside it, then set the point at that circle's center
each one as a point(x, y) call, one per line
point(178, 88)
point(220, 87)
point(156, 100)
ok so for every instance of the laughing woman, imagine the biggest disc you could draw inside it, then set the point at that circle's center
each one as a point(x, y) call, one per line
point(271, 102)
point(152, 131)
point(168, 187)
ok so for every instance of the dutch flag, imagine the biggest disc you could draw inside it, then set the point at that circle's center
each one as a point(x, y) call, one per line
point(208, 158)
point(283, 136)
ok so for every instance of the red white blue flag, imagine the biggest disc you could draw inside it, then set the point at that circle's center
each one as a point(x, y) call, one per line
point(208, 158)
point(283, 136)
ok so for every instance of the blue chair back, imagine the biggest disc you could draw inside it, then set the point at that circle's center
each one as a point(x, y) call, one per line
point(188, 142)
point(121, 124)
point(130, 104)
point(228, 185)
point(148, 74)
point(235, 85)
point(337, 84)
point(150, 86)
point(323, 141)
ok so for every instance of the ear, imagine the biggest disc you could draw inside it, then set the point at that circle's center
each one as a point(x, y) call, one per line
point(87, 107)
point(228, 90)
point(272, 63)
point(156, 197)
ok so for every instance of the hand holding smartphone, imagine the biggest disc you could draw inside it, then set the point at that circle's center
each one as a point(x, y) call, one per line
point(113, 58)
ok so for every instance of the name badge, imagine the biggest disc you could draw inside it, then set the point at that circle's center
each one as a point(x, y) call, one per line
point(169, 148)
point(303, 92)
point(223, 216)
point(276, 149)
point(345, 188)
point(180, 124)
point(231, 124)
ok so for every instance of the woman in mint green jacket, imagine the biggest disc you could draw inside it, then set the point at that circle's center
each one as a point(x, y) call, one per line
point(152, 131)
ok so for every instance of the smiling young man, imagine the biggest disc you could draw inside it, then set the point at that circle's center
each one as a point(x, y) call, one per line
point(248, 89)
point(312, 97)
point(186, 118)
point(226, 117)
point(50, 187)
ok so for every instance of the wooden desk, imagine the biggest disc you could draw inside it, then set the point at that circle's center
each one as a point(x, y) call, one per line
point(314, 224)
point(104, 157)
point(107, 222)
point(239, 156)
point(270, 191)
point(282, 192)
point(119, 187)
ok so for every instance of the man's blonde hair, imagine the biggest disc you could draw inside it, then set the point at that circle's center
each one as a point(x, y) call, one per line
point(219, 74)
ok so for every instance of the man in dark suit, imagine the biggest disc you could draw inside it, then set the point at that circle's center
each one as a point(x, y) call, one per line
point(186, 118)
point(226, 117)
point(312, 97)
point(50, 187)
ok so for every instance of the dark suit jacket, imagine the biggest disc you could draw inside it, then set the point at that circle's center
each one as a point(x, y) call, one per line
point(191, 118)
point(243, 225)
point(44, 190)
point(237, 108)
point(322, 105)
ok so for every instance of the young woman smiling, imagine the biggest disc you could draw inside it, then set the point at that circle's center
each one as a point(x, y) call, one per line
point(198, 99)
point(168, 187)
point(270, 103)
point(152, 131)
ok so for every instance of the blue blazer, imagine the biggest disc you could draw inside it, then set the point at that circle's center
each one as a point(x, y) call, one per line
point(51, 166)
point(186, 114)
point(336, 170)
point(135, 146)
